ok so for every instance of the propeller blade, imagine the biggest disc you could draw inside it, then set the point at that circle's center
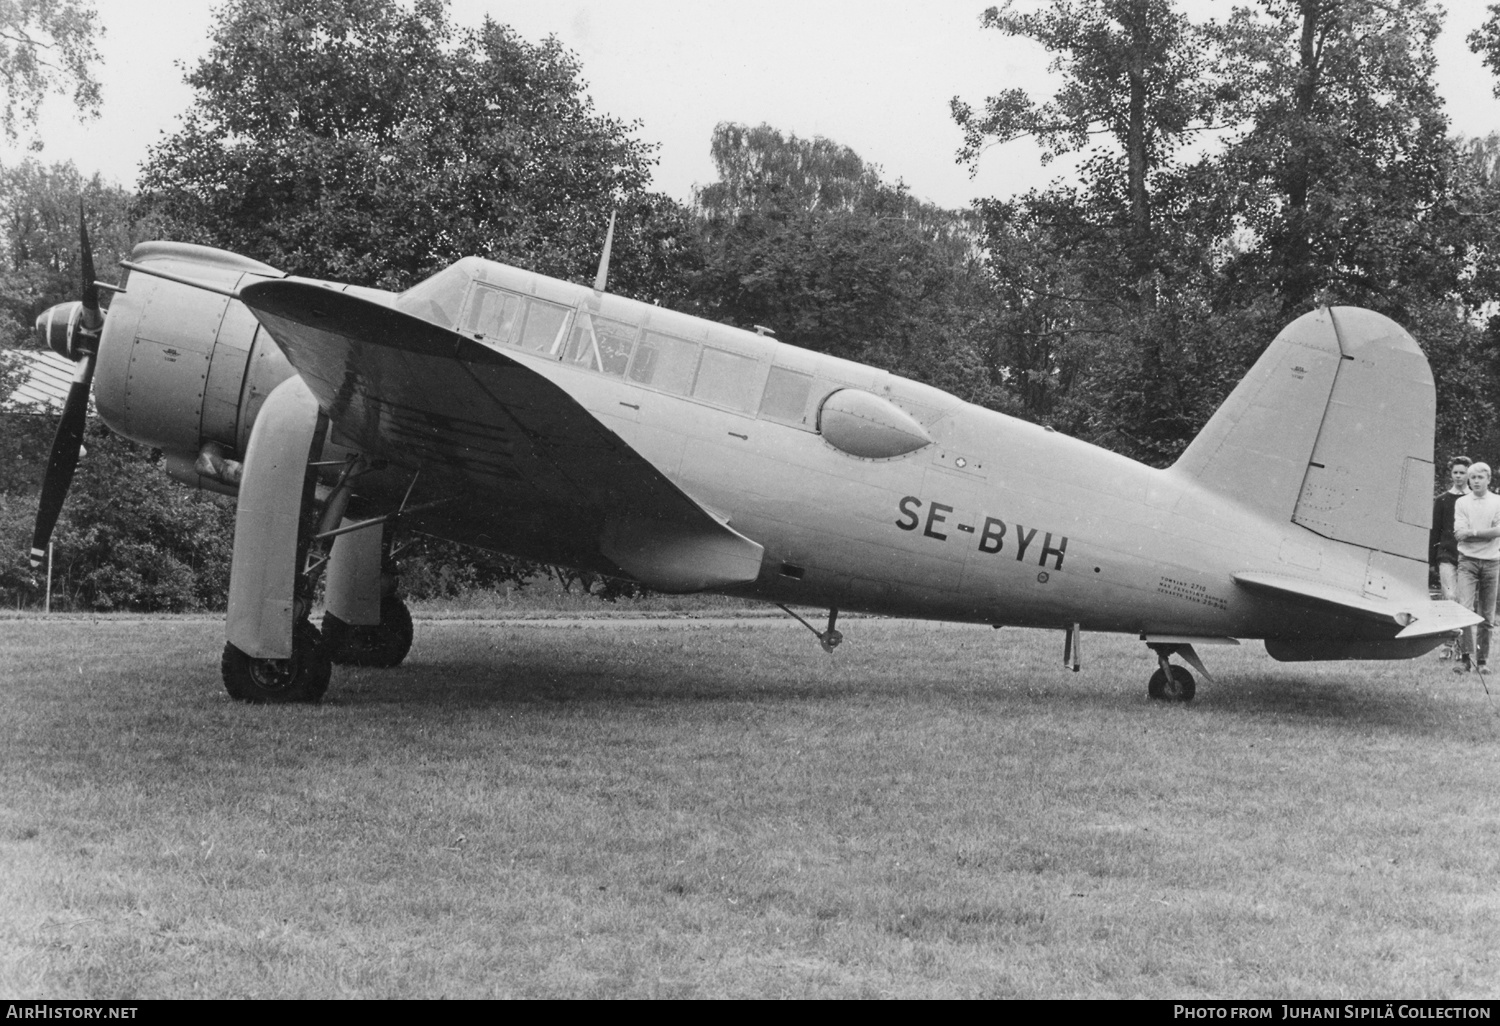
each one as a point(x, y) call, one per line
point(64, 459)
point(81, 342)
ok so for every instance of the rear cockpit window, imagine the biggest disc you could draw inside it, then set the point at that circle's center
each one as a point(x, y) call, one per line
point(727, 379)
point(664, 362)
point(786, 394)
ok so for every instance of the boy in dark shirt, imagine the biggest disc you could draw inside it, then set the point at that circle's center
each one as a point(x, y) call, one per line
point(1443, 547)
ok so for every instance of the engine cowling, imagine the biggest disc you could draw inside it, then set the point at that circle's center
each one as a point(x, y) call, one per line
point(182, 365)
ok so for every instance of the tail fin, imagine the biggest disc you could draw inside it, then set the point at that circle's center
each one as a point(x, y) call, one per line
point(1331, 429)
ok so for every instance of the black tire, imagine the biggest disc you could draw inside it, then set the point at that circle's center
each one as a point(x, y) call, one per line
point(1182, 687)
point(302, 678)
point(385, 644)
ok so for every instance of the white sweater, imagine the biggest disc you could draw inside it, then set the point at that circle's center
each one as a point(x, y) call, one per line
point(1471, 513)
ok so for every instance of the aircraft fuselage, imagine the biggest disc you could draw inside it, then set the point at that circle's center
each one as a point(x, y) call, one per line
point(995, 521)
point(867, 491)
point(505, 409)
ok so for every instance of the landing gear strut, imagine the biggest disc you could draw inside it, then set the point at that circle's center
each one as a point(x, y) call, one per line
point(830, 638)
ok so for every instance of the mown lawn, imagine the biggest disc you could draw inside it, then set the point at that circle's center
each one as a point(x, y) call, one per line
point(703, 808)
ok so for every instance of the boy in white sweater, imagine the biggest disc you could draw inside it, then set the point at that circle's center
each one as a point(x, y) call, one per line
point(1476, 525)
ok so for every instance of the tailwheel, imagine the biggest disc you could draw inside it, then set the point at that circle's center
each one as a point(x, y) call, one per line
point(302, 678)
point(382, 644)
point(1172, 684)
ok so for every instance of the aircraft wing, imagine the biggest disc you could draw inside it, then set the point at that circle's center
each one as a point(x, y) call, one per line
point(1415, 619)
point(422, 396)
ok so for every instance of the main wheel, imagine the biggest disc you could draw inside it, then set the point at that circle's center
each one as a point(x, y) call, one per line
point(383, 644)
point(302, 678)
point(1181, 688)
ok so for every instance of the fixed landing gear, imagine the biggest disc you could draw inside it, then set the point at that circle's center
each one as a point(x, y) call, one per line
point(365, 623)
point(831, 638)
point(1172, 684)
point(383, 644)
point(301, 678)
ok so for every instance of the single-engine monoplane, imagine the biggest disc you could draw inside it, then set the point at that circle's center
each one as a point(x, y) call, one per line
point(559, 422)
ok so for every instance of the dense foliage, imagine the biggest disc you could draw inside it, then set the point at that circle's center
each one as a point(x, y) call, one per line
point(1133, 300)
point(129, 538)
point(362, 141)
point(46, 46)
point(803, 237)
point(1233, 174)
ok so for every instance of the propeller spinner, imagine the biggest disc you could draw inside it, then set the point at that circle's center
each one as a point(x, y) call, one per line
point(71, 329)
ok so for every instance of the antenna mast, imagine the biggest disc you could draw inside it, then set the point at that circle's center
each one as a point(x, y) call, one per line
point(609, 241)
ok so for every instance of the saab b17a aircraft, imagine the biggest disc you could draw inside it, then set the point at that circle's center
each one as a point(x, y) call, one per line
point(557, 422)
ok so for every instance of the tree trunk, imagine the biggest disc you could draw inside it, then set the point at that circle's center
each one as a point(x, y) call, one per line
point(1298, 276)
point(1140, 205)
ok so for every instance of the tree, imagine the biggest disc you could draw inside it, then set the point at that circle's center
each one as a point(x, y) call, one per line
point(1104, 325)
point(1352, 192)
point(761, 170)
point(46, 46)
point(1134, 76)
point(39, 262)
point(367, 142)
point(1344, 174)
point(802, 236)
point(1485, 41)
point(1135, 299)
point(40, 266)
point(130, 538)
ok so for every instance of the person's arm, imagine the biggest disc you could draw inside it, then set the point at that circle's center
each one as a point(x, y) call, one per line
point(1463, 530)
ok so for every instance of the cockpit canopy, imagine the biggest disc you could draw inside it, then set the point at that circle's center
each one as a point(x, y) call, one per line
point(674, 353)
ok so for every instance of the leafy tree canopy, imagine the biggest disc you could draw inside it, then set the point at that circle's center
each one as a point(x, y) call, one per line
point(129, 538)
point(1133, 300)
point(1131, 68)
point(1135, 87)
point(1343, 171)
point(369, 142)
point(46, 46)
point(760, 170)
point(39, 259)
point(804, 237)
point(40, 266)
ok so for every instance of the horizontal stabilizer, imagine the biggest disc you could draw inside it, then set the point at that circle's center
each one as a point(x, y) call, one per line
point(1440, 618)
point(1415, 619)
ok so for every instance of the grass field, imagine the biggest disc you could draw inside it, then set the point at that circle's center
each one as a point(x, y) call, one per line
point(681, 807)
